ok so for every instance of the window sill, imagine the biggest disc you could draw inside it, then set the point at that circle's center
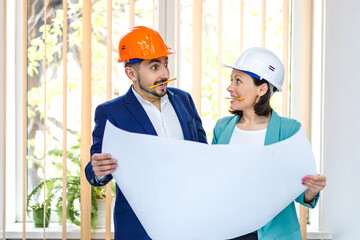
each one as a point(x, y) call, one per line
point(54, 231)
point(313, 234)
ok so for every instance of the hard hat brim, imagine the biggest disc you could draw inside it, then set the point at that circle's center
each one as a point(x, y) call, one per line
point(251, 74)
point(229, 66)
point(164, 53)
point(244, 71)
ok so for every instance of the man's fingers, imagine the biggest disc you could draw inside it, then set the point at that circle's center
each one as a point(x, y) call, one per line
point(103, 162)
point(106, 167)
point(100, 156)
point(105, 170)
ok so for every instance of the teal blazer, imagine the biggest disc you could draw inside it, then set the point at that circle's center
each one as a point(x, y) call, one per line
point(286, 224)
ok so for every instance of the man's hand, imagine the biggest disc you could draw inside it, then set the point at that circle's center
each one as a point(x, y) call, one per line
point(314, 185)
point(103, 164)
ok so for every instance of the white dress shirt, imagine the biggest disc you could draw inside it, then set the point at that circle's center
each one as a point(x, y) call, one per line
point(165, 122)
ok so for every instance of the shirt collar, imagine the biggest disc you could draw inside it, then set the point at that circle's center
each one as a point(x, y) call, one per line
point(163, 100)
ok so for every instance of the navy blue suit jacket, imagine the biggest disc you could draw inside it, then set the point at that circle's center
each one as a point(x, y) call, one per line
point(126, 113)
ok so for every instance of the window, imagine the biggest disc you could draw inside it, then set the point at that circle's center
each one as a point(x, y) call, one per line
point(234, 37)
point(238, 32)
point(49, 119)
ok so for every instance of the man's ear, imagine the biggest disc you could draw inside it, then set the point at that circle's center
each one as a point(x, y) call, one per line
point(131, 74)
point(263, 89)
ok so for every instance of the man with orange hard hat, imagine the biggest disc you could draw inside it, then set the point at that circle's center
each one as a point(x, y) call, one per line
point(149, 107)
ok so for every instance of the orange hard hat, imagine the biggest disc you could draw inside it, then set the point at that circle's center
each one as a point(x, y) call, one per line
point(142, 43)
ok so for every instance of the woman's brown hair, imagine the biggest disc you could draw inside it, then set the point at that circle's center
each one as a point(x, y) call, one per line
point(262, 107)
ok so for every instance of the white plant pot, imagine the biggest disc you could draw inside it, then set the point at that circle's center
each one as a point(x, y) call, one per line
point(101, 220)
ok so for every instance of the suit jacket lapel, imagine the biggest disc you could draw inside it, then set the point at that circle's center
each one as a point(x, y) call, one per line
point(138, 112)
point(180, 110)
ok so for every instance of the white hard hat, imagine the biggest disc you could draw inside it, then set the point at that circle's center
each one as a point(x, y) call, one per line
point(262, 64)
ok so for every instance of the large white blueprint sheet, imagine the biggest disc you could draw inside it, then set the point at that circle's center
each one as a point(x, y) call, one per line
point(187, 190)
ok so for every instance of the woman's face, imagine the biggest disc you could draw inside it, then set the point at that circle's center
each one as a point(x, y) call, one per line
point(242, 86)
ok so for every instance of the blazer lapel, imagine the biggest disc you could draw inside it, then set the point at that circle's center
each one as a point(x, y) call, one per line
point(273, 129)
point(228, 131)
point(138, 112)
point(180, 111)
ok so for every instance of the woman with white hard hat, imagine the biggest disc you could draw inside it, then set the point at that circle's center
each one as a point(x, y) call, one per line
point(258, 73)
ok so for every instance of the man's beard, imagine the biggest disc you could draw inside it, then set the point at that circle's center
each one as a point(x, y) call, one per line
point(151, 91)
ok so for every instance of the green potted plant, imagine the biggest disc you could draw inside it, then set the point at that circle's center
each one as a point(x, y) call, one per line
point(54, 188)
point(73, 187)
point(38, 215)
point(38, 208)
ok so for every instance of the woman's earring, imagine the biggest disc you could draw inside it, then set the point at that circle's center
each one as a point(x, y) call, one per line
point(259, 96)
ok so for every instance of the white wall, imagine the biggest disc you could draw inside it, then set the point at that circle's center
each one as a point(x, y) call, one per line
point(342, 120)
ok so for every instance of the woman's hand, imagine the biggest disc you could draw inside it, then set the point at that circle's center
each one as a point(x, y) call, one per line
point(314, 185)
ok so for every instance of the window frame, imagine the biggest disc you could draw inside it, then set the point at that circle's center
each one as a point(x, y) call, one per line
point(14, 108)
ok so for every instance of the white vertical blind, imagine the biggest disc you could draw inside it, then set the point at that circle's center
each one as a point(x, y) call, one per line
point(241, 23)
point(132, 14)
point(176, 38)
point(306, 59)
point(154, 14)
point(220, 90)
point(108, 97)
point(85, 143)
point(263, 23)
point(4, 117)
point(24, 114)
point(323, 62)
point(197, 53)
point(64, 147)
point(45, 97)
point(285, 91)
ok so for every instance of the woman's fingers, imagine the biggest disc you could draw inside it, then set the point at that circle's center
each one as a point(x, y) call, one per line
point(314, 183)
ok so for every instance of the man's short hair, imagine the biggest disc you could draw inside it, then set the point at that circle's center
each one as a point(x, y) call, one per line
point(135, 66)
